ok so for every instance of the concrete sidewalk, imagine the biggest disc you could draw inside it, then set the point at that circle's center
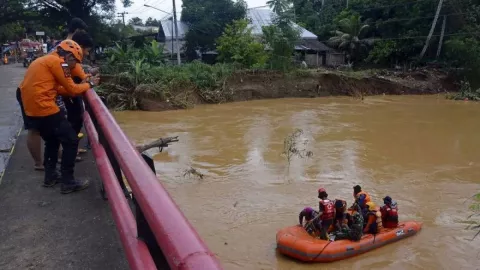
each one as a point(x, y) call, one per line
point(10, 117)
point(43, 229)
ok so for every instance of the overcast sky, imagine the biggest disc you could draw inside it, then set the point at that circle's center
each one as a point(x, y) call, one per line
point(139, 10)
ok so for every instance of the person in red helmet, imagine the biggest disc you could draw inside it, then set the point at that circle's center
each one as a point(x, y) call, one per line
point(326, 212)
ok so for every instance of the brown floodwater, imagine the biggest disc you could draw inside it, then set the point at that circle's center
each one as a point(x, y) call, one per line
point(424, 151)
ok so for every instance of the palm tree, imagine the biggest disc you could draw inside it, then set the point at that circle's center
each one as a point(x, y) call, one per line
point(349, 36)
point(278, 6)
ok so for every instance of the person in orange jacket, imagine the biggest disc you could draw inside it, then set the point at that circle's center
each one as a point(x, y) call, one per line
point(33, 138)
point(46, 78)
point(374, 219)
point(361, 198)
point(326, 213)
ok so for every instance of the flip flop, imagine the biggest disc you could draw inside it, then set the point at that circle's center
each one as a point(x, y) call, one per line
point(39, 168)
point(82, 151)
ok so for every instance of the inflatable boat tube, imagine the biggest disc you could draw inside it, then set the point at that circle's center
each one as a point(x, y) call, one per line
point(295, 242)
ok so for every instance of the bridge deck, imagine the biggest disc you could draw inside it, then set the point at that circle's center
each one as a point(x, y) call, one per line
point(43, 229)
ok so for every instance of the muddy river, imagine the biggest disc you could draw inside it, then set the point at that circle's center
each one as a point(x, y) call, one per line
point(423, 151)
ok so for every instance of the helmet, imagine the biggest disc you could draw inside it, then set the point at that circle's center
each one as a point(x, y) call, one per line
point(308, 210)
point(71, 46)
point(340, 203)
point(387, 200)
point(371, 206)
point(321, 190)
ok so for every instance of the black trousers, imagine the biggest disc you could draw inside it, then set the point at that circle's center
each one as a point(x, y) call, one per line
point(74, 106)
point(55, 130)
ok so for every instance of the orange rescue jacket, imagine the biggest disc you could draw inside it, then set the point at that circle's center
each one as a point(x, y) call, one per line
point(47, 77)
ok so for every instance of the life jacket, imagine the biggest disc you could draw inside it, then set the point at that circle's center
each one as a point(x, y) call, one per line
point(328, 209)
point(367, 197)
point(378, 221)
point(389, 216)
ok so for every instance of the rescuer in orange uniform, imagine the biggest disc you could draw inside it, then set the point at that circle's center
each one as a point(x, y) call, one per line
point(47, 77)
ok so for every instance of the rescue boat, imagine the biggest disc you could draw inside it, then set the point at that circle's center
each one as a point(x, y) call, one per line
point(295, 242)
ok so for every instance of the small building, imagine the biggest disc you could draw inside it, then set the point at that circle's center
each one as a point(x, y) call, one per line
point(312, 51)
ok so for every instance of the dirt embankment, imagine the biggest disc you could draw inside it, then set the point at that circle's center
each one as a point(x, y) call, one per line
point(244, 86)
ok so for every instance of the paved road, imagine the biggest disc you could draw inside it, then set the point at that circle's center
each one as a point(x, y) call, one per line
point(10, 117)
point(42, 229)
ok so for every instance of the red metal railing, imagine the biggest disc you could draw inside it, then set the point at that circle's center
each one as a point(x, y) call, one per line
point(178, 240)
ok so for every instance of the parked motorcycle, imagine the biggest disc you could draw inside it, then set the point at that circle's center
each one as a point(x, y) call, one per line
point(29, 59)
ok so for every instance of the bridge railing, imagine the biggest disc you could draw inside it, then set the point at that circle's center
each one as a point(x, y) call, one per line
point(158, 235)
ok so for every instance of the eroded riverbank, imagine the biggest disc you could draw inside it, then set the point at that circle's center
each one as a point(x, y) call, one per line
point(421, 150)
point(191, 87)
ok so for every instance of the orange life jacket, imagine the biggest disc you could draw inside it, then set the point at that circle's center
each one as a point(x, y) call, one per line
point(378, 221)
point(328, 209)
point(367, 197)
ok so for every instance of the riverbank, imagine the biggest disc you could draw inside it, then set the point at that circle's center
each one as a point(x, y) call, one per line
point(207, 87)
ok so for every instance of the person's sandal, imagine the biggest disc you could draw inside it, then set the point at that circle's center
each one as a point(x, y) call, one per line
point(39, 168)
point(82, 151)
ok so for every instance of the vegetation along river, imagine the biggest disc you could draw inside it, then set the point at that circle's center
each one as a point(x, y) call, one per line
point(424, 151)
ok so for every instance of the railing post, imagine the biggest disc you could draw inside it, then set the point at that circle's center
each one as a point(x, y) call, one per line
point(143, 229)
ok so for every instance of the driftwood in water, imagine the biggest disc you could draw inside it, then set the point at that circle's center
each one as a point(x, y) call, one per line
point(160, 143)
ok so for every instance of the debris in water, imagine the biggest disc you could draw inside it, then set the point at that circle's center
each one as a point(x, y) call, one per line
point(194, 172)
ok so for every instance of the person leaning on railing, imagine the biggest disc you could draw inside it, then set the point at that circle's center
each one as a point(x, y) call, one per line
point(39, 89)
point(34, 142)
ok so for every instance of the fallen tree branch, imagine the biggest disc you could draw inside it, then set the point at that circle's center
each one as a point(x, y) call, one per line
point(160, 143)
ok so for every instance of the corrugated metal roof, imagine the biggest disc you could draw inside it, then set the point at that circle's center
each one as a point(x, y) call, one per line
point(168, 29)
point(260, 17)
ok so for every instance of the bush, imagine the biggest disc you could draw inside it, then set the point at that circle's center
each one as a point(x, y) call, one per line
point(139, 78)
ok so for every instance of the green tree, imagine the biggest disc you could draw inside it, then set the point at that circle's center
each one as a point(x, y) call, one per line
point(350, 36)
point(135, 21)
point(237, 45)
point(280, 38)
point(206, 20)
point(152, 22)
point(278, 6)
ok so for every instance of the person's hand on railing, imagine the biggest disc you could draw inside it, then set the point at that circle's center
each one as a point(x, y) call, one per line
point(94, 81)
point(95, 71)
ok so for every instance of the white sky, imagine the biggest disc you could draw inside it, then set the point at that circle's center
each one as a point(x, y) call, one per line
point(139, 10)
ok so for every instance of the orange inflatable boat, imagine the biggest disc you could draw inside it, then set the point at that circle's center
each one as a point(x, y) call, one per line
point(295, 242)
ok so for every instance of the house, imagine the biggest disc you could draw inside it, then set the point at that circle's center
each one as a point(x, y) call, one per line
point(314, 52)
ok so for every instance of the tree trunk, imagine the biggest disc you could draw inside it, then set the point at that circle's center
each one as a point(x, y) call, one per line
point(160, 143)
point(440, 42)
point(434, 23)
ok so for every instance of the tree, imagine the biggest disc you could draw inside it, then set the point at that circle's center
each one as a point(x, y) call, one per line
point(280, 38)
point(349, 36)
point(152, 22)
point(206, 20)
point(237, 45)
point(278, 6)
point(135, 21)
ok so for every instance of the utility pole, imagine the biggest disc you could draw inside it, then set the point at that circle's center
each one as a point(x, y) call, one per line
point(122, 14)
point(176, 32)
point(174, 22)
point(434, 23)
point(440, 42)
